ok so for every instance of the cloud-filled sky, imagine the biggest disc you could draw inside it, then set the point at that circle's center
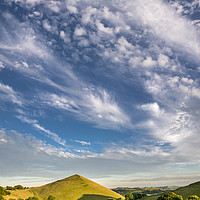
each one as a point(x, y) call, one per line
point(106, 89)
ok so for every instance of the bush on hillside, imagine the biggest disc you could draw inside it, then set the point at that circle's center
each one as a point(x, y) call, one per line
point(3, 191)
point(32, 198)
point(193, 197)
point(19, 187)
point(138, 196)
point(170, 196)
point(9, 188)
point(129, 196)
point(1, 198)
point(51, 197)
point(134, 196)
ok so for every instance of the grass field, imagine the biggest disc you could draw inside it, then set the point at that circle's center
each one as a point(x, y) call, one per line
point(23, 194)
point(75, 188)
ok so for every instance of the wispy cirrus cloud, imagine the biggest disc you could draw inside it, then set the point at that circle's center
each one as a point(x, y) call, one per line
point(47, 132)
point(115, 65)
point(83, 142)
point(95, 106)
point(9, 95)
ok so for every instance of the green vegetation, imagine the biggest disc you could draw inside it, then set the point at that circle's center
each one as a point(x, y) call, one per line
point(19, 194)
point(9, 188)
point(190, 190)
point(134, 196)
point(32, 198)
point(75, 188)
point(170, 196)
point(18, 187)
point(185, 192)
point(79, 188)
point(193, 197)
point(51, 197)
point(3, 191)
point(145, 190)
point(129, 196)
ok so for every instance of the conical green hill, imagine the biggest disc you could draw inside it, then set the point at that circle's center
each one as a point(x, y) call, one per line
point(75, 187)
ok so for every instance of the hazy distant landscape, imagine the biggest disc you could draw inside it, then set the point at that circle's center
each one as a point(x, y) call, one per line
point(77, 187)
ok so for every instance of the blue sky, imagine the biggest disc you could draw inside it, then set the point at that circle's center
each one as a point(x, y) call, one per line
point(106, 89)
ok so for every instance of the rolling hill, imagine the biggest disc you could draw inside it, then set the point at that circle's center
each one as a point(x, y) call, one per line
point(192, 189)
point(185, 192)
point(75, 187)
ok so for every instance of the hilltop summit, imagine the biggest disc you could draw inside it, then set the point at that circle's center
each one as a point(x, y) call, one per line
point(75, 187)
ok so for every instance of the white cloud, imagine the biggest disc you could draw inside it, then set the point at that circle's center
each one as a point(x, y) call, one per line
point(187, 80)
point(152, 108)
point(1, 65)
point(123, 153)
point(165, 23)
point(92, 105)
point(137, 45)
point(54, 6)
point(61, 102)
point(104, 29)
point(50, 134)
point(8, 94)
point(105, 109)
point(47, 132)
point(82, 142)
point(79, 31)
point(72, 9)
point(25, 64)
point(163, 60)
point(87, 13)
point(36, 13)
point(149, 62)
point(46, 25)
point(62, 35)
point(84, 43)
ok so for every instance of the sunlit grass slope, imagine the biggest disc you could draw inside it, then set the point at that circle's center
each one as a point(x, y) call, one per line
point(75, 188)
point(16, 194)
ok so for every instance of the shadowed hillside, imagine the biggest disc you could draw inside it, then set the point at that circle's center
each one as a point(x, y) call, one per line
point(93, 197)
point(192, 189)
point(75, 188)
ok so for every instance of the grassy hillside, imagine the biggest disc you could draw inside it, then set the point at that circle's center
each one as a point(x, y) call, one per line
point(15, 194)
point(185, 192)
point(192, 189)
point(74, 188)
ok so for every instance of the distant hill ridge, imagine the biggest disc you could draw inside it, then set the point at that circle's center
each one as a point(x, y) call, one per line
point(75, 187)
